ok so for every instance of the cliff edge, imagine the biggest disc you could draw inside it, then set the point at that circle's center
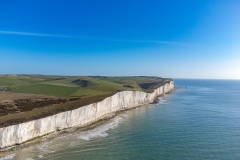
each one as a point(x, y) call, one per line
point(20, 133)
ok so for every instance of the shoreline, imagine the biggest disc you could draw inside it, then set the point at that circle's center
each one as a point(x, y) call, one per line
point(122, 99)
point(51, 136)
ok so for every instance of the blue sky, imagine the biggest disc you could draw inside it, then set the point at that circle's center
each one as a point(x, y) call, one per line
point(175, 38)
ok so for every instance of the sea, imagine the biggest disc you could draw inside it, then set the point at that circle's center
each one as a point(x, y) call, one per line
point(200, 120)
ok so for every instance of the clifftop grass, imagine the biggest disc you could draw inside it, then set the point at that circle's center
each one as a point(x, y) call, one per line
point(69, 86)
point(54, 94)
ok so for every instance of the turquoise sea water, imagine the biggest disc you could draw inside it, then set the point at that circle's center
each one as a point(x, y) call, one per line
point(201, 121)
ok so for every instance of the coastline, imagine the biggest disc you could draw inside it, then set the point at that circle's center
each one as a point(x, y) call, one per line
point(72, 130)
point(89, 125)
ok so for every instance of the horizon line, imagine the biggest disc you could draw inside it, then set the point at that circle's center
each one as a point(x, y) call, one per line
point(122, 76)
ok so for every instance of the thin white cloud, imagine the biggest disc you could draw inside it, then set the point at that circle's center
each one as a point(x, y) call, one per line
point(33, 34)
point(100, 39)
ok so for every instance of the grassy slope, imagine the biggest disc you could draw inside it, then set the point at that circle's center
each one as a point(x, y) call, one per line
point(63, 86)
point(96, 90)
point(46, 89)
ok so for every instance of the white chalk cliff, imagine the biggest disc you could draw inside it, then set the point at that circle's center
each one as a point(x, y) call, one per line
point(82, 116)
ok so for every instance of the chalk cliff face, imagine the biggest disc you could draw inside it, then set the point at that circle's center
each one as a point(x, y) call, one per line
point(82, 116)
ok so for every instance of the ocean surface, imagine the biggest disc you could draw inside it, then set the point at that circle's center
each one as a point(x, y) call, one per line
point(199, 120)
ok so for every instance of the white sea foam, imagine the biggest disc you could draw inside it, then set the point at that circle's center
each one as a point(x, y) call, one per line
point(161, 101)
point(29, 159)
point(100, 131)
point(10, 156)
point(45, 146)
point(40, 156)
point(73, 144)
point(45, 149)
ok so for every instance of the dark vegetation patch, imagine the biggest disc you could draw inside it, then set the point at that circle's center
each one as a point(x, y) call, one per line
point(127, 86)
point(5, 89)
point(7, 109)
point(149, 86)
point(157, 82)
point(12, 122)
point(98, 76)
point(23, 105)
point(54, 79)
point(29, 104)
point(74, 98)
point(58, 108)
point(81, 82)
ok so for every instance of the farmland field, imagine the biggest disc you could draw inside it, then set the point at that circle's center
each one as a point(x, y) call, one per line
point(27, 97)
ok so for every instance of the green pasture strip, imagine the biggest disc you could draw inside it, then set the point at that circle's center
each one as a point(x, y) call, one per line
point(12, 81)
point(46, 89)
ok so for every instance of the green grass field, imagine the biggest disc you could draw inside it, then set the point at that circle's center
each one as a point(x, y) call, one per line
point(64, 86)
point(48, 95)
